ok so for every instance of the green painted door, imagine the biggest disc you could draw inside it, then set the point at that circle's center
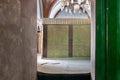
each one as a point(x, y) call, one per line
point(113, 55)
point(107, 40)
point(118, 39)
point(100, 63)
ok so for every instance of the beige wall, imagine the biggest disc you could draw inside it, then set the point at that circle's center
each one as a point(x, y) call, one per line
point(18, 39)
point(58, 41)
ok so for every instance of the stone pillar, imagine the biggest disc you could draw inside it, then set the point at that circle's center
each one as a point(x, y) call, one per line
point(93, 38)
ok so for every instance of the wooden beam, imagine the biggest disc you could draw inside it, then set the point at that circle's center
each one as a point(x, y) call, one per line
point(45, 29)
point(38, 41)
point(70, 43)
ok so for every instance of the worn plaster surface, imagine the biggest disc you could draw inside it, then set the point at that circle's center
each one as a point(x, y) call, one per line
point(17, 39)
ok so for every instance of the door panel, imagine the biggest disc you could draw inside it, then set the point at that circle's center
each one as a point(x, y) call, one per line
point(57, 41)
point(81, 40)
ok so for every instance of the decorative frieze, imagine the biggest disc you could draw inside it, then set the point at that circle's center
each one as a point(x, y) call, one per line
point(65, 21)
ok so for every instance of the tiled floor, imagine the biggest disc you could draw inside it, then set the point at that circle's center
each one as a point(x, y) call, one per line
point(63, 66)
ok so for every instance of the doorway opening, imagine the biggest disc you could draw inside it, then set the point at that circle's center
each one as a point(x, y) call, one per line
point(65, 39)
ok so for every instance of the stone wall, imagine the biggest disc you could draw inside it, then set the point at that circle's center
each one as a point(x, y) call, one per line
point(18, 39)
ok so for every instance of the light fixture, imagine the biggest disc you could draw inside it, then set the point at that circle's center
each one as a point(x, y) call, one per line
point(73, 6)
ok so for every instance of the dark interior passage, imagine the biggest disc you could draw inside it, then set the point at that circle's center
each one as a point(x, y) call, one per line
point(44, 76)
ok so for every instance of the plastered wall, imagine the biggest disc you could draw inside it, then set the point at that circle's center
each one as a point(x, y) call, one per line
point(18, 39)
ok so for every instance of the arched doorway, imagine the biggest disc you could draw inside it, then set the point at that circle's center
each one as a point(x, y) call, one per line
point(54, 13)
